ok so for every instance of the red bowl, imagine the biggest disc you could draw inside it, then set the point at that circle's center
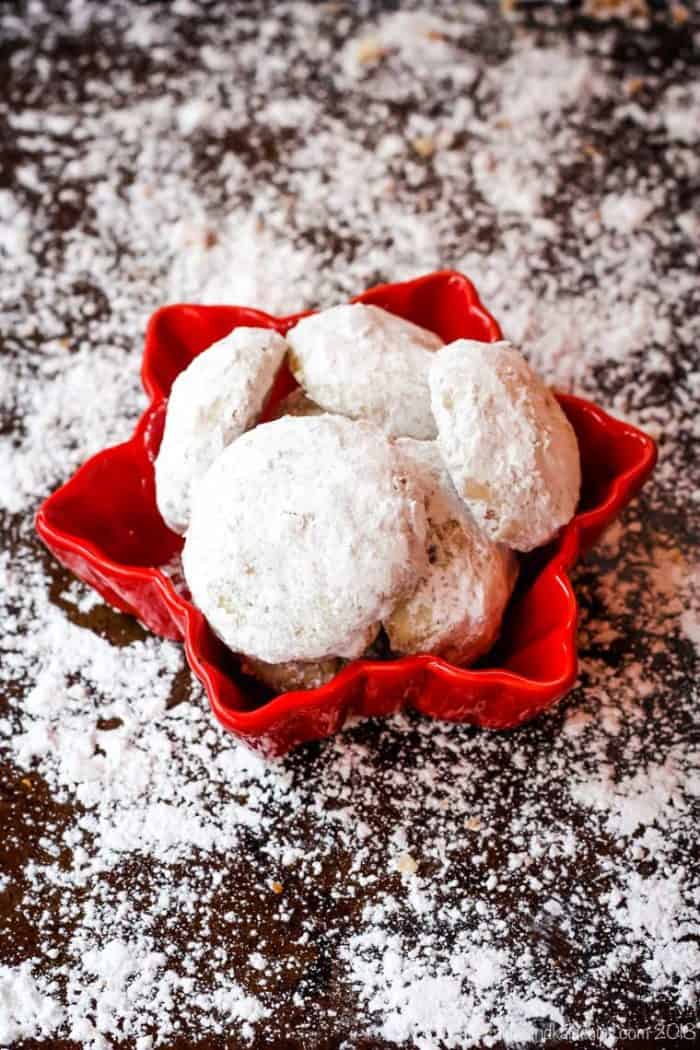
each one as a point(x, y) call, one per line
point(104, 525)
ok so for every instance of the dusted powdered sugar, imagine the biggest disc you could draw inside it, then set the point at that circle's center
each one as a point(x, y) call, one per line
point(526, 883)
point(510, 450)
point(26, 1008)
point(303, 535)
point(457, 607)
point(366, 363)
point(215, 399)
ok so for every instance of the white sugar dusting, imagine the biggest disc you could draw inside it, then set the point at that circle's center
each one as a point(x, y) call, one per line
point(26, 1010)
point(446, 886)
point(239, 261)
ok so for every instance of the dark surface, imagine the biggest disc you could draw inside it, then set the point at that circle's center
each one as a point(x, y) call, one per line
point(635, 656)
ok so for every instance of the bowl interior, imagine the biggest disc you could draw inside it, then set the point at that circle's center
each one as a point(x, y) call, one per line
point(110, 505)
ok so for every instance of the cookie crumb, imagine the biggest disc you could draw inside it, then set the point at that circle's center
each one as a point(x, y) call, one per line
point(424, 146)
point(406, 864)
point(370, 51)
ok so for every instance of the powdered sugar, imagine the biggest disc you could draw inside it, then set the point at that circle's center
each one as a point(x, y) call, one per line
point(625, 212)
point(212, 402)
point(25, 1010)
point(457, 607)
point(643, 799)
point(151, 863)
point(238, 261)
point(510, 450)
point(662, 909)
point(334, 495)
point(366, 363)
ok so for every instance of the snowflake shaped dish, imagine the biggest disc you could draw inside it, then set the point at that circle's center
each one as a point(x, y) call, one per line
point(104, 525)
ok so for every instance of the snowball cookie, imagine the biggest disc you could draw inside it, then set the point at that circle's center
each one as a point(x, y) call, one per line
point(366, 363)
point(218, 396)
point(298, 403)
point(304, 535)
point(510, 450)
point(457, 608)
point(283, 678)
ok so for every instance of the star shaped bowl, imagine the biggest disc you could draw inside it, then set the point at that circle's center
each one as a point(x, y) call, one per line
point(104, 525)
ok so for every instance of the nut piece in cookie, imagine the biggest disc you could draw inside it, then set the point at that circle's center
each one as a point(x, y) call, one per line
point(510, 450)
point(218, 397)
point(457, 607)
point(365, 363)
point(304, 535)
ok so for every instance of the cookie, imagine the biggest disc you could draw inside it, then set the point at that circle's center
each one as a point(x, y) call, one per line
point(457, 608)
point(365, 363)
point(304, 535)
point(284, 678)
point(510, 450)
point(218, 397)
point(298, 403)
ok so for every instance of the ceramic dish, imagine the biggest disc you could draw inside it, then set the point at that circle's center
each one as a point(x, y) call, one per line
point(103, 524)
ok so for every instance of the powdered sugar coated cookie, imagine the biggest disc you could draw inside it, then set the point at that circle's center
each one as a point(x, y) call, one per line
point(510, 450)
point(304, 534)
point(218, 396)
point(457, 607)
point(366, 363)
